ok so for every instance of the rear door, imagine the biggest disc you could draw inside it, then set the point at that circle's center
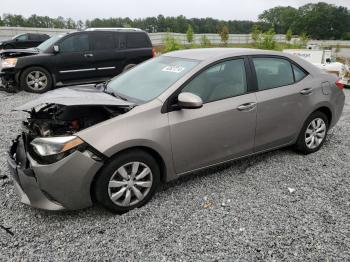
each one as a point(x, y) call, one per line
point(284, 93)
point(75, 59)
point(108, 58)
point(138, 47)
point(224, 127)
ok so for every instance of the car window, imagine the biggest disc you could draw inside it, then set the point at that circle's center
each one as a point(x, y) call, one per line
point(137, 40)
point(161, 72)
point(273, 72)
point(103, 41)
point(224, 80)
point(75, 43)
point(22, 37)
point(298, 73)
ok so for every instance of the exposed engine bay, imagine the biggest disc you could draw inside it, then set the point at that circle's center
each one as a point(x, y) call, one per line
point(59, 120)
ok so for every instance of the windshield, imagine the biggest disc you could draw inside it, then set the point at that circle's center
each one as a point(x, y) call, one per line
point(46, 44)
point(148, 80)
point(14, 37)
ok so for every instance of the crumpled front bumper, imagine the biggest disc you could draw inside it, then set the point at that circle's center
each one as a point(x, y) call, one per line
point(63, 185)
point(9, 79)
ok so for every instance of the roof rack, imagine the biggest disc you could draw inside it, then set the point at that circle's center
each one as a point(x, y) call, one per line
point(113, 29)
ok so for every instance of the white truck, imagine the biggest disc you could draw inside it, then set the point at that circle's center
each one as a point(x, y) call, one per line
point(324, 60)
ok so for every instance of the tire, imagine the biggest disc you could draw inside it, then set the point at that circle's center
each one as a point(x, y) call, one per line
point(36, 80)
point(118, 190)
point(128, 67)
point(305, 144)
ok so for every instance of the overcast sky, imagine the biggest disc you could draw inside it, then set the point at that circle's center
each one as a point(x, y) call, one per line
point(87, 9)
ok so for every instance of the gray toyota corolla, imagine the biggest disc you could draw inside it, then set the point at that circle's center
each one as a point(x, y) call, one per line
point(180, 112)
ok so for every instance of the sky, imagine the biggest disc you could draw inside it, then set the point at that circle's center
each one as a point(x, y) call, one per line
point(88, 9)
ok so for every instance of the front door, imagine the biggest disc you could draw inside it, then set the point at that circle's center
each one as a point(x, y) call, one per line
point(224, 128)
point(75, 61)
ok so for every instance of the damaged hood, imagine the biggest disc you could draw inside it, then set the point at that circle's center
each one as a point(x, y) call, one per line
point(18, 52)
point(70, 96)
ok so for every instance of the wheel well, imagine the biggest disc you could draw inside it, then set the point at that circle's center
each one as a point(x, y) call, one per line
point(327, 112)
point(25, 68)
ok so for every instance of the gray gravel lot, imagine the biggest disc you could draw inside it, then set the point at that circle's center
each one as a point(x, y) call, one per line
point(246, 210)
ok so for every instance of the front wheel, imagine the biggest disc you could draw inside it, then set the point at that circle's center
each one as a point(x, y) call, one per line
point(128, 181)
point(313, 133)
point(36, 80)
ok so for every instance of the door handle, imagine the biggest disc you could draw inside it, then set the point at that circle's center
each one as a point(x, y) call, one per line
point(88, 55)
point(306, 91)
point(247, 106)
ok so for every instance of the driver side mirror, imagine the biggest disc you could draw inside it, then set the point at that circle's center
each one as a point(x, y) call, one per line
point(189, 101)
point(56, 49)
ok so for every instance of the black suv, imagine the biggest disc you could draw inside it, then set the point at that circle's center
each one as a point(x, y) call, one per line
point(24, 41)
point(90, 56)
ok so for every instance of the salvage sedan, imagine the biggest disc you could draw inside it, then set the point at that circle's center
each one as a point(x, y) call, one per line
point(180, 112)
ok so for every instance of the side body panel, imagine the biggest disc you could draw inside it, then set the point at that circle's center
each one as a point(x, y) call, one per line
point(214, 133)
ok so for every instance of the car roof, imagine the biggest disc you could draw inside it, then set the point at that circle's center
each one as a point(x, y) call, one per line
point(208, 55)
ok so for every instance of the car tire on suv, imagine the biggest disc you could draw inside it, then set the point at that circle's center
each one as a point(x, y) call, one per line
point(313, 134)
point(128, 67)
point(128, 181)
point(36, 80)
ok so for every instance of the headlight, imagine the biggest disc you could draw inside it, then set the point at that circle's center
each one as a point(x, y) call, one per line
point(8, 62)
point(49, 146)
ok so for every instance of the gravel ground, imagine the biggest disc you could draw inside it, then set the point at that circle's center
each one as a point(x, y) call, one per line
point(276, 206)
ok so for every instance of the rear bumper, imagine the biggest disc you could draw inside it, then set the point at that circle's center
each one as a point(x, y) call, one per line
point(64, 185)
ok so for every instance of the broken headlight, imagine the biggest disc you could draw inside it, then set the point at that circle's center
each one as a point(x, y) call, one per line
point(8, 62)
point(52, 149)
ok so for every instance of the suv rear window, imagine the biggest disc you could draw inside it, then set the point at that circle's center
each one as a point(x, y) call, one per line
point(137, 40)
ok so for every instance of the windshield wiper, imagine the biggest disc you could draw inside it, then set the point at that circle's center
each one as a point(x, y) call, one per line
point(119, 96)
point(104, 87)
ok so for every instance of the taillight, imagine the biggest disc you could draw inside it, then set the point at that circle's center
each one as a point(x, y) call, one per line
point(154, 52)
point(339, 85)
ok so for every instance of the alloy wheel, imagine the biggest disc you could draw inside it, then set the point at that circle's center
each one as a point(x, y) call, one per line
point(36, 80)
point(315, 133)
point(130, 184)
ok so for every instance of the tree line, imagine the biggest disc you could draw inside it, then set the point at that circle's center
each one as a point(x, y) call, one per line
point(319, 21)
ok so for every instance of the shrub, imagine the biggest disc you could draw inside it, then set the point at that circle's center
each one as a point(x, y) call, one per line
point(346, 36)
point(189, 34)
point(205, 42)
point(289, 34)
point(171, 44)
point(224, 35)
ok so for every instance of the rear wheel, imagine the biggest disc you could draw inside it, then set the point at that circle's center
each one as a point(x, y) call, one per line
point(128, 181)
point(128, 67)
point(313, 133)
point(36, 80)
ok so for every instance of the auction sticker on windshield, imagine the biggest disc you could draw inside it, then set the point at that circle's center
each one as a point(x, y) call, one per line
point(173, 69)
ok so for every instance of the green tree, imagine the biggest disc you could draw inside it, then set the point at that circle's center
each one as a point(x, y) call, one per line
point(256, 34)
point(171, 43)
point(204, 41)
point(304, 39)
point(189, 34)
point(289, 34)
point(267, 40)
point(280, 17)
point(224, 35)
